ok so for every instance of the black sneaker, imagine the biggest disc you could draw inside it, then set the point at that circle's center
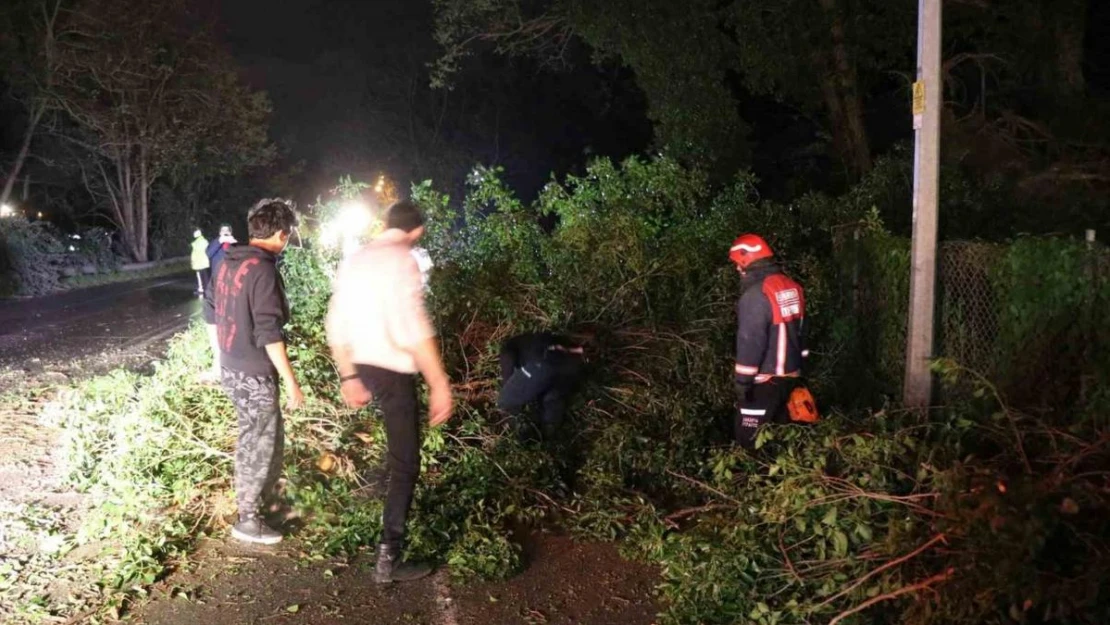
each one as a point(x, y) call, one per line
point(253, 530)
point(391, 568)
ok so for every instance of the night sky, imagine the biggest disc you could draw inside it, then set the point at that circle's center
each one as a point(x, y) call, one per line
point(350, 89)
point(347, 77)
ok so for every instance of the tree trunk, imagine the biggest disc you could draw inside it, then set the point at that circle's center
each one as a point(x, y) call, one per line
point(1069, 26)
point(24, 150)
point(840, 90)
point(129, 202)
point(143, 222)
point(126, 197)
point(132, 234)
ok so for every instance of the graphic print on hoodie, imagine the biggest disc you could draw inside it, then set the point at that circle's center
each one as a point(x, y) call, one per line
point(249, 306)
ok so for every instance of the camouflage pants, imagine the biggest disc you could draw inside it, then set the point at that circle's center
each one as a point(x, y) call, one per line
point(258, 452)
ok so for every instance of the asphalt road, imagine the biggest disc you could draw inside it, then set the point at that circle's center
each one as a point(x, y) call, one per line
point(57, 331)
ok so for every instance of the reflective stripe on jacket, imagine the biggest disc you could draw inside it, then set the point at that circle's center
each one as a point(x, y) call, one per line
point(769, 320)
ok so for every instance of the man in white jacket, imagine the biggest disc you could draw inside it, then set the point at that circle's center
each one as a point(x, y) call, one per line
point(380, 336)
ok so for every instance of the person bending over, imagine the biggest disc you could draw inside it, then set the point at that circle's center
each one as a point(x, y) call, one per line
point(543, 370)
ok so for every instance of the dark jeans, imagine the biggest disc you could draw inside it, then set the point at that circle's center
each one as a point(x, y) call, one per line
point(395, 394)
point(541, 382)
point(759, 404)
point(258, 451)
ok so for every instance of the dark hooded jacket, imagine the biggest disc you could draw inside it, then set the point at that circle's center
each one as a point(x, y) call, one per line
point(248, 304)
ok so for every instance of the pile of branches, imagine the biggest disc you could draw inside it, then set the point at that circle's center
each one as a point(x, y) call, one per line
point(870, 516)
point(32, 257)
point(35, 256)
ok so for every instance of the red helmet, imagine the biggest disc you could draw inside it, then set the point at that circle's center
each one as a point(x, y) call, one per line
point(748, 248)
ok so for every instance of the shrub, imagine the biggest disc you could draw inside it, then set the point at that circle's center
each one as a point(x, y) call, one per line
point(94, 247)
point(34, 255)
point(859, 517)
point(31, 257)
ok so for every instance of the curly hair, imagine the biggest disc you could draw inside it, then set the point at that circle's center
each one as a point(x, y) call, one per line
point(270, 216)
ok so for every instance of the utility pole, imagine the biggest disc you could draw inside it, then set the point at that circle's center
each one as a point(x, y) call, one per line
point(927, 98)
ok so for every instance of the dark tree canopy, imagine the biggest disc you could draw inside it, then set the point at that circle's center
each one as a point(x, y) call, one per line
point(845, 65)
point(152, 97)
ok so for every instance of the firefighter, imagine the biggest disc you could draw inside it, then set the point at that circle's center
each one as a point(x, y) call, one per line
point(769, 347)
point(539, 368)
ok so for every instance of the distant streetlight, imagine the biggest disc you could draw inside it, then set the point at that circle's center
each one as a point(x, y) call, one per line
point(6, 210)
point(385, 190)
point(40, 214)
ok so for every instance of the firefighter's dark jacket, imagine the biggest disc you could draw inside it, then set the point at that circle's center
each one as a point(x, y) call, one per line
point(769, 323)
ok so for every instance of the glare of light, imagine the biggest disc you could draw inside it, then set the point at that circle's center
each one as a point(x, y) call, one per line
point(72, 249)
point(347, 226)
point(6, 210)
point(40, 214)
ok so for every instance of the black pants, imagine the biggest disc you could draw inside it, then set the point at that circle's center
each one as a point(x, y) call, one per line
point(759, 404)
point(544, 382)
point(395, 394)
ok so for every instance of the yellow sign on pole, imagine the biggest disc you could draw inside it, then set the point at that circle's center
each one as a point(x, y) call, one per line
point(919, 97)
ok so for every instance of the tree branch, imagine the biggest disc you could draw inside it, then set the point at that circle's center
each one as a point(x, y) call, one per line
point(922, 585)
point(786, 559)
point(547, 35)
point(893, 563)
point(671, 518)
point(704, 486)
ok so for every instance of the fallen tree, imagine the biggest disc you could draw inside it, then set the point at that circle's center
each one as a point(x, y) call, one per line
point(972, 513)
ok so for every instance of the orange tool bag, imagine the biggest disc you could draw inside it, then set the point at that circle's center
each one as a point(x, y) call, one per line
point(801, 406)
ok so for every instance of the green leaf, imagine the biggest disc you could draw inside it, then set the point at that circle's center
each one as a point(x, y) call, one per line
point(293, 609)
point(840, 543)
point(863, 531)
point(830, 517)
point(800, 523)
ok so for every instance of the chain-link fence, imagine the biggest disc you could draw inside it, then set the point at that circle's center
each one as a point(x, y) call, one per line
point(967, 305)
point(1021, 314)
